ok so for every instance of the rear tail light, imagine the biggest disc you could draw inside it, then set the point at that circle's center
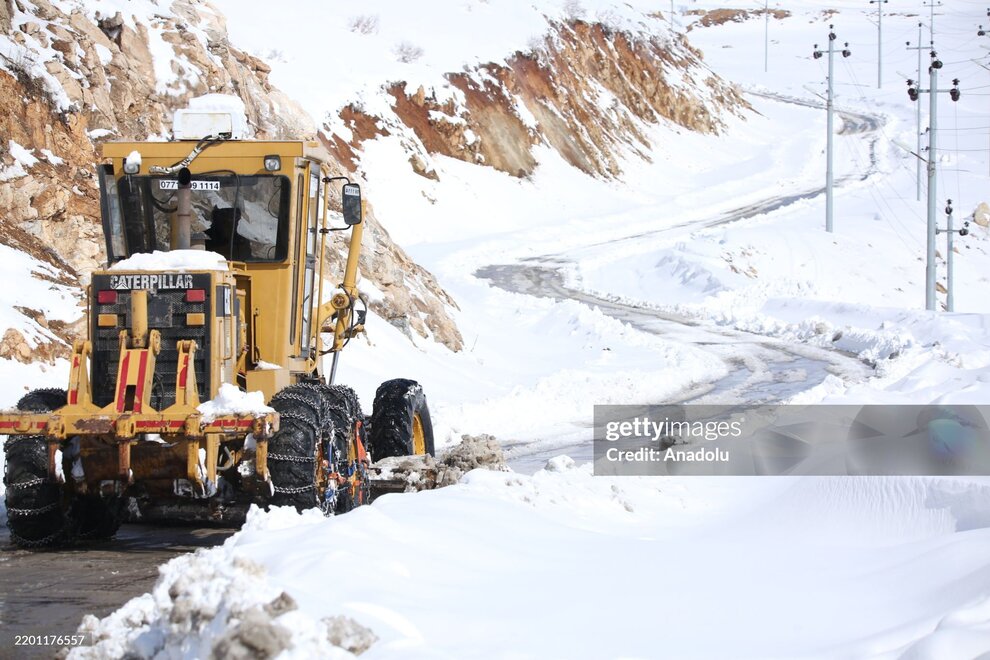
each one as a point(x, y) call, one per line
point(106, 297)
point(195, 295)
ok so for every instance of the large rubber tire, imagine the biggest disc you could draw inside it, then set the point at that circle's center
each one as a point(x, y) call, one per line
point(33, 497)
point(400, 415)
point(97, 518)
point(43, 400)
point(292, 450)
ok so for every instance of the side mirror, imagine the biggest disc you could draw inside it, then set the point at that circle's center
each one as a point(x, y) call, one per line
point(351, 203)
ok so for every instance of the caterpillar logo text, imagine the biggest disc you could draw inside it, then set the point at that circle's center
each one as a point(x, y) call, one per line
point(151, 282)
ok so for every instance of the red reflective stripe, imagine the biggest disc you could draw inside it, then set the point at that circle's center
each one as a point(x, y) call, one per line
point(74, 394)
point(184, 370)
point(139, 390)
point(236, 423)
point(122, 385)
point(159, 423)
point(41, 426)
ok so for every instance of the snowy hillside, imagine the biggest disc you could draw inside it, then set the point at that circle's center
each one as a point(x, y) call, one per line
point(726, 228)
point(697, 268)
point(700, 271)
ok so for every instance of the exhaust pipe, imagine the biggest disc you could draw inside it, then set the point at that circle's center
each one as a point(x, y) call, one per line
point(181, 234)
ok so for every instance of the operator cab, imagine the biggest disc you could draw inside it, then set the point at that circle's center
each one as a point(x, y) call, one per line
point(242, 217)
point(264, 206)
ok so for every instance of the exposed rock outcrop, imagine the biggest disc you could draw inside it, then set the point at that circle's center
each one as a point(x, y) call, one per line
point(713, 17)
point(75, 80)
point(586, 90)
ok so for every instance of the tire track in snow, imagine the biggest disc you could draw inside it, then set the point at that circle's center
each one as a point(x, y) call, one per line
point(760, 369)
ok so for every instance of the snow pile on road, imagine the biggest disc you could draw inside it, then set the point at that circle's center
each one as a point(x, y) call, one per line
point(231, 400)
point(882, 567)
point(210, 604)
point(474, 452)
point(175, 260)
point(415, 473)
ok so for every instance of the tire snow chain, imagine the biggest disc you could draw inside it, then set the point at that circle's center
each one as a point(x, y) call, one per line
point(302, 419)
point(292, 491)
point(39, 543)
point(322, 427)
point(37, 481)
point(292, 396)
point(291, 458)
point(31, 512)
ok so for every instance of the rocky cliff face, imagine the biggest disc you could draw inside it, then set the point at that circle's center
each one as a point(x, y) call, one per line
point(71, 78)
point(586, 90)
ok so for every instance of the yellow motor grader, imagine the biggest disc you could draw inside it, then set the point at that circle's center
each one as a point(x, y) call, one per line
point(156, 422)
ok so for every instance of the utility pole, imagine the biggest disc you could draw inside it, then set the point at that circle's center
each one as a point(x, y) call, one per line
point(917, 129)
point(879, 4)
point(932, 91)
point(830, 111)
point(766, 34)
point(931, 18)
point(982, 33)
point(950, 303)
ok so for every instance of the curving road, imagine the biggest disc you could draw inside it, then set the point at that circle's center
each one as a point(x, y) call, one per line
point(760, 369)
point(49, 592)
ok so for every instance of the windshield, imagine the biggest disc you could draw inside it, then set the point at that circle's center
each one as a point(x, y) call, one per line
point(244, 218)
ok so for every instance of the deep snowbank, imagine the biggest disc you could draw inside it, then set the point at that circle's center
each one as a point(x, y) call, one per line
point(563, 564)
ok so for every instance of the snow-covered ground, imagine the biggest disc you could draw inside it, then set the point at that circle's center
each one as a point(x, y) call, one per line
point(563, 564)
